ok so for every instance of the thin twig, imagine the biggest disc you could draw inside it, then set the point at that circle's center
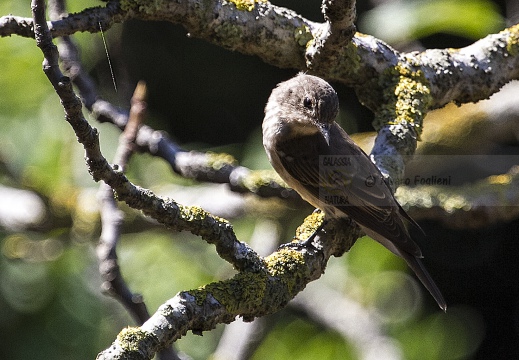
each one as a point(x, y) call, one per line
point(166, 211)
point(111, 221)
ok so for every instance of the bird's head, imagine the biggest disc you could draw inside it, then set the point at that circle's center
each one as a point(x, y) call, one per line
point(303, 105)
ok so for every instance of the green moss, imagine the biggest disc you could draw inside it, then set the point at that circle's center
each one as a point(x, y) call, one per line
point(352, 56)
point(246, 5)
point(244, 293)
point(253, 294)
point(284, 262)
point(250, 294)
point(303, 36)
point(228, 34)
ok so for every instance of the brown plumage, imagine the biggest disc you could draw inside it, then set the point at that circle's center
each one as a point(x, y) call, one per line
point(318, 159)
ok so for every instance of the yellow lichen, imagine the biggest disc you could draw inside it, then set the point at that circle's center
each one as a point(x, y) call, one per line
point(290, 268)
point(309, 226)
point(406, 97)
point(512, 46)
point(503, 179)
point(259, 178)
point(129, 338)
point(196, 213)
point(284, 261)
point(217, 161)
point(191, 213)
point(247, 5)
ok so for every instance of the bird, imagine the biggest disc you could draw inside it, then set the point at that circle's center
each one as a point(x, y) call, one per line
point(319, 160)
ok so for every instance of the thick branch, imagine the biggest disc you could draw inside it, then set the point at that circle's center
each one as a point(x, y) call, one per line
point(334, 35)
point(280, 37)
point(248, 294)
point(86, 20)
point(474, 72)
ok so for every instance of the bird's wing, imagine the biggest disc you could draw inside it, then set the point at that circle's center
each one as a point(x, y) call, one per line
point(300, 159)
point(371, 202)
point(340, 177)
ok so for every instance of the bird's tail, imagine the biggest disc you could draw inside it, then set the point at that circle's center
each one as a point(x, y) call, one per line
point(419, 269)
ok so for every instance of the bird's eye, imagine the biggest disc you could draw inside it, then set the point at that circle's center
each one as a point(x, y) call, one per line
point(307, 103)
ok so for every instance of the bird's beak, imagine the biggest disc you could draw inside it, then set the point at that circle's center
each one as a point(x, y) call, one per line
point(324, 129)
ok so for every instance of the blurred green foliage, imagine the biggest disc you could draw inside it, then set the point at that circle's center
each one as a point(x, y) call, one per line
point(51, 306)
point(294, 338)
point(408, 20)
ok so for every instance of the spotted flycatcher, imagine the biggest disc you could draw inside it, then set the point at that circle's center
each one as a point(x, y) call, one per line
point(318, 159)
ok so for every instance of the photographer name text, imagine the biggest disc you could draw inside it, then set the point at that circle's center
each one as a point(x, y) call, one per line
point(426, 180)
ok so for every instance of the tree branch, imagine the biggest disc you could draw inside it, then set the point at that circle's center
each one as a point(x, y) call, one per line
point(111, 219)
point(332, 36)
point(258, 29)
point(471, 206)
point(260, 287)
point(474, 72)
point(248, 294)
